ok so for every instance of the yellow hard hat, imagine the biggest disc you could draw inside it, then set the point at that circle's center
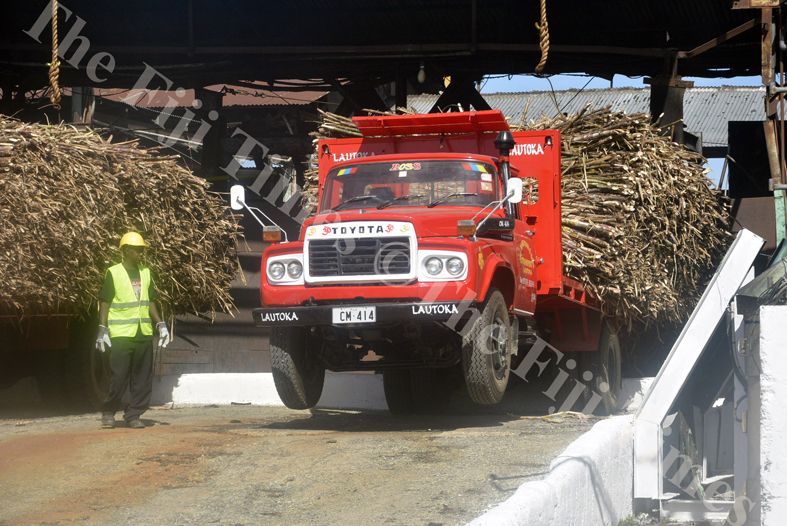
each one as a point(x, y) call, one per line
point(133, 239)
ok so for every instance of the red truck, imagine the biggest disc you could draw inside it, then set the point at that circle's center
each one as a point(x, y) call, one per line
point(436, 248)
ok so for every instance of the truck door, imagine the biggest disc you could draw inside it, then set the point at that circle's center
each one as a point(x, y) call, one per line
point(525, 302)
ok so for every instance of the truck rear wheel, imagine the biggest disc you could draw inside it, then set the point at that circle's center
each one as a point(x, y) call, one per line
point(486, 354)
point(299, 378)
point(606, 368)
point(398, 391)
point(87, 371)
point(50, 378)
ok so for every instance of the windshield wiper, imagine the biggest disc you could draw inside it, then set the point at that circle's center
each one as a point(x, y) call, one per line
point(402, 198)
point(352, 200)
point(449, 196)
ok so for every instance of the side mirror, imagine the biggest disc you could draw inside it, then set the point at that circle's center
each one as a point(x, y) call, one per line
point(238, 196)
point(515, 185)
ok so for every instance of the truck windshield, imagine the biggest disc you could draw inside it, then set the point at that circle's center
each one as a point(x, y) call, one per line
point(409, 184)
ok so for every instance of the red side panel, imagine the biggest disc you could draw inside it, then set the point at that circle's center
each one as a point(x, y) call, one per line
point(537, 156)
point(439, 123)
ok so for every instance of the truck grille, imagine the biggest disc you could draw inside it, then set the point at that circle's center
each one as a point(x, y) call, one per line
point(359, 257)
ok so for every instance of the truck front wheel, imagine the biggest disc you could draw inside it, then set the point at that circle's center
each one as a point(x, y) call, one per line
point(486, 354)
point(298, 376)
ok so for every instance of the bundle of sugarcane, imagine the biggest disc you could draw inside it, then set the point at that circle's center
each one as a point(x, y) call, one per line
point(331, 126)
point(642, 227)
point(67, 197)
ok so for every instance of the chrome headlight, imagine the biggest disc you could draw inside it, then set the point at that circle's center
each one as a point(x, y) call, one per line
point(455, 266)
point(433, 266)
point(295, 269)
point(276, 270)
point(442, 265)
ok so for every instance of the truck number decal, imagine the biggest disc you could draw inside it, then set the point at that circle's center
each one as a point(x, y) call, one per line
point(348, 315)
point(354, 314)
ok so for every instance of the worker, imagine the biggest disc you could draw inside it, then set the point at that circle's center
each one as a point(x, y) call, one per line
point(126, 307)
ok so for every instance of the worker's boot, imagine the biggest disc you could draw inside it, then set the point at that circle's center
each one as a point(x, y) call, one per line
point(136, 424)
point(108, 419)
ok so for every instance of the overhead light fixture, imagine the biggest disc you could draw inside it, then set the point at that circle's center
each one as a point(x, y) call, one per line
point(421, 74)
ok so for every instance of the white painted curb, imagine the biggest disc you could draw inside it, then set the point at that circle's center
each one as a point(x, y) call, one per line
point(341, 391)
point(589, 484)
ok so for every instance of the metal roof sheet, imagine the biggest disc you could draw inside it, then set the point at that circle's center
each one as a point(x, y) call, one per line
point(707, 110)
point(236, 96)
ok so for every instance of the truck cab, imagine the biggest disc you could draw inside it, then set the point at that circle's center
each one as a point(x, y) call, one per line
point(436, 239)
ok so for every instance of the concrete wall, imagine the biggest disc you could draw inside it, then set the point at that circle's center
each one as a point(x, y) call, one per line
point(773, 417)
point(589, 484)
point(341, 391)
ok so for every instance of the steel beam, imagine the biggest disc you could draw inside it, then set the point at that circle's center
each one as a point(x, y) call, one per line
point(395, 49)
point(719, 39)
point(755, 4)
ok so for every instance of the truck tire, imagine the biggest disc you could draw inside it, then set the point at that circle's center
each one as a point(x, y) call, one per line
point(486, 354)
point(431, 391)
point(48, 371)
point(298, 377)
point(606, 368)
point(398, 391)
point(87, 371)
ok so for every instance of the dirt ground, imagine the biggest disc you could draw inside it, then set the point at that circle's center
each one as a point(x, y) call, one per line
point(250, 465)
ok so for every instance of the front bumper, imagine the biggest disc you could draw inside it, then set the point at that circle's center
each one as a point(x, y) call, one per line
point(310, 315)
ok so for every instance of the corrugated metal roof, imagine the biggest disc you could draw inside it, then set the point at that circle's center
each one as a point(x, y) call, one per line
point(706, 110)
point(234, 96)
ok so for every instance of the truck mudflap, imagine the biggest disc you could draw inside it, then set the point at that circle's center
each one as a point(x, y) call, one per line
point(363, 314)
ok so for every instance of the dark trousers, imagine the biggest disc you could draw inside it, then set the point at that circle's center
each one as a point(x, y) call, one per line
point(132, 364)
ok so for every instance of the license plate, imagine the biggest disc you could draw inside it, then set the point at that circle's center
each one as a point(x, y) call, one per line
point(354, 314)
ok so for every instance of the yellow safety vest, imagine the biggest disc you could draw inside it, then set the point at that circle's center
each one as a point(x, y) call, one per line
point(126, 312)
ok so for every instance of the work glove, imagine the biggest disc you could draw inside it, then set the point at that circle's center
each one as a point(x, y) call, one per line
point(163, 335)
point(103, 339)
